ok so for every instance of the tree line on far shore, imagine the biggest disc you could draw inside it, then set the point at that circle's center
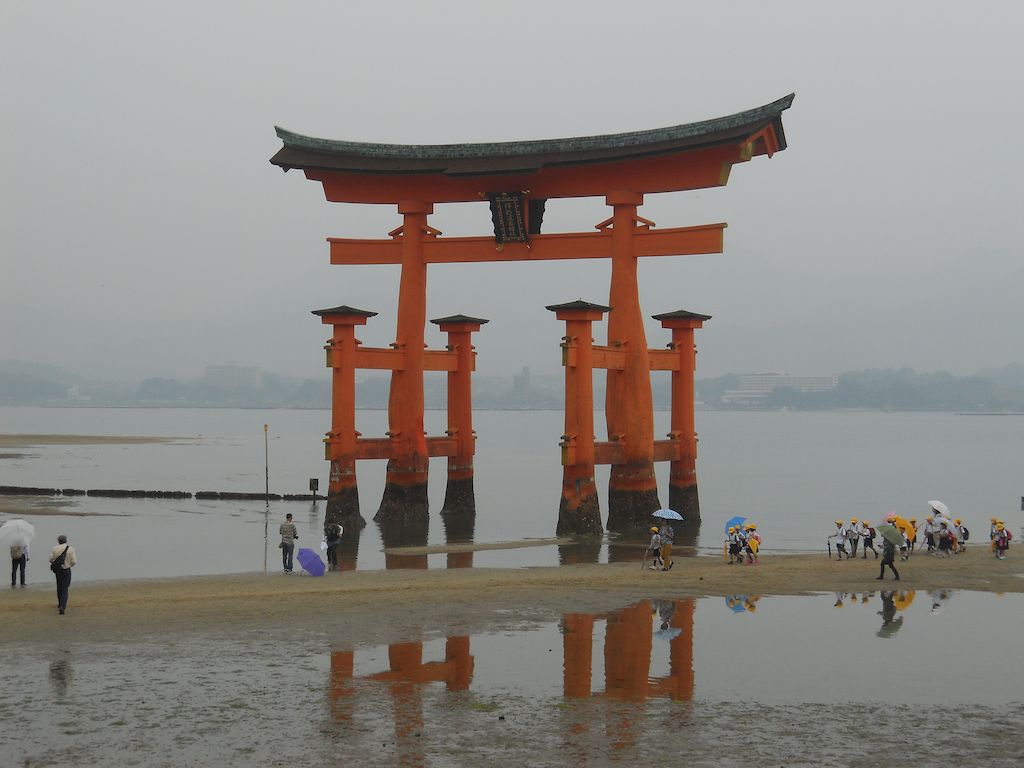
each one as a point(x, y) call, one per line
point(895, 389)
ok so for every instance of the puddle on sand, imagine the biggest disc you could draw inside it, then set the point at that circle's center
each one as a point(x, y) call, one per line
point(744, 680)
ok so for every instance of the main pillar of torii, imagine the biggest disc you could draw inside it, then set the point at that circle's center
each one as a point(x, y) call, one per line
point(517, 179)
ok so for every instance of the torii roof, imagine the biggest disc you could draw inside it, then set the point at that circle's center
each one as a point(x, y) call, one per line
point(344, 309)
point(578, 304)
point(459, 319)
point(523, 157)
point(681, 314)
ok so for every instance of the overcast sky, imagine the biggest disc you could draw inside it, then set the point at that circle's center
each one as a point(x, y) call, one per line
point(144, 232)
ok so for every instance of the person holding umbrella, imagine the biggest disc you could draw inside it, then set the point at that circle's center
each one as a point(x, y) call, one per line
point(891, 538)
point(17, 534)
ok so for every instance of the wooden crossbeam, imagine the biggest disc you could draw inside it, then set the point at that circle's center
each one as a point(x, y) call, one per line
point(614, 358)
point(381, 447)
point(381, 359)
point(677, 241)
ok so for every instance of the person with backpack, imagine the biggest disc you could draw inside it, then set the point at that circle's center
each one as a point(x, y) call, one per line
point(1002, 540)
point(869, 541)
point(840, 537)
point(62, 559)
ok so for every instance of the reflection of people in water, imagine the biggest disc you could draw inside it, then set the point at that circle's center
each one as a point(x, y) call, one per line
point(890, 624)
point(60, 676)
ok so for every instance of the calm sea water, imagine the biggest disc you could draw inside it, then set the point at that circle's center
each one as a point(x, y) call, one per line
point(792, 472)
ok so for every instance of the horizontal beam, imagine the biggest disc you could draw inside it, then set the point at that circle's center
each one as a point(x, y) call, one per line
point(380, 359)
point(614, 452)
point(614, 358)
point(381, 447)
point(677, 241)
point(663, 359)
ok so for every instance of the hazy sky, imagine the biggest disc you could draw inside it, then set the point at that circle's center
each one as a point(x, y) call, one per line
point(144, 232)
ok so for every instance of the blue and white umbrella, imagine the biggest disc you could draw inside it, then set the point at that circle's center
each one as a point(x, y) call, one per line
point(667, 514)
point(734, 522)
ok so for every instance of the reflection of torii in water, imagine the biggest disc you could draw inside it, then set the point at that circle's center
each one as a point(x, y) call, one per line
point(629, 637)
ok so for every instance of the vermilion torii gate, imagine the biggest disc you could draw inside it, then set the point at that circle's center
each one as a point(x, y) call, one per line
point(517, 179)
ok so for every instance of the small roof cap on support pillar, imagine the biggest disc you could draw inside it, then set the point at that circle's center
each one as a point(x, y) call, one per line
point(578, 310)
point(459, 323)
point(681, 318)
point(344, 315)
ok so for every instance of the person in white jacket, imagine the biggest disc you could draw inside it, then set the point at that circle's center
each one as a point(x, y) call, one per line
point(853, 533)
point(840, 537)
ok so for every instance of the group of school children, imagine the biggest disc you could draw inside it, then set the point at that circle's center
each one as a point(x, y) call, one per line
point(743, 543)
point(940, 535)
point(852, 534)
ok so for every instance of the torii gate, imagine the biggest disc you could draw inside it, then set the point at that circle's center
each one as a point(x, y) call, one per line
point(517, 178)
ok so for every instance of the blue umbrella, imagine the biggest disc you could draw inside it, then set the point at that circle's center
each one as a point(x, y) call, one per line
point(734, 522)
point(310, 561)
point(667, 514)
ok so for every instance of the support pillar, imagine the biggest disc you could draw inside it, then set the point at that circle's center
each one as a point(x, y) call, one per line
point(459, 498)
point(629, 405)
point(682, 483)
point(578, 511)
point(405, 488)
point(340, 443)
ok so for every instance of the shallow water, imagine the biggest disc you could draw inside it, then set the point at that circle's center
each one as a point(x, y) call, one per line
point(710, 681)
point(793, 472)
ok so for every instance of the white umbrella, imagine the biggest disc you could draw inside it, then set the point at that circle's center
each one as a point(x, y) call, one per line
point(16, 533)
point(939, 507)
point(667, 514)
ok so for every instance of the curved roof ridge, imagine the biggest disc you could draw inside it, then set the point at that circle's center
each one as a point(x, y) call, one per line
point(763, 114)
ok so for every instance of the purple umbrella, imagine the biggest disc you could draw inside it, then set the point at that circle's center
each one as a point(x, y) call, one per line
point(310, 561)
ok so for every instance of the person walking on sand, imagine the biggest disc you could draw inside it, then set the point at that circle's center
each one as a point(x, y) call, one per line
point(288, 536)
point(853, 536)
point(888, 557)
point(1001, 540)
point(19, 559)
point(332, 535)
point(668, 536)
point(655, 549)
point(869, 541)
point(840, 537)
point(62, 559)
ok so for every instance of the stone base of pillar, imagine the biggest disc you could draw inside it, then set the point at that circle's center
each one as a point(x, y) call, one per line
point(630, 510)
point(404, 503)
point(579, 513)
point(684, 500)
point(343, 508)
point(459, 497)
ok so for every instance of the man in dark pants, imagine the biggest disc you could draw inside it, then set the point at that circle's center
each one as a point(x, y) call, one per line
point(62, 558)
point(288, 536)
point(888, 557)
point(19, 557)
point(332, 534)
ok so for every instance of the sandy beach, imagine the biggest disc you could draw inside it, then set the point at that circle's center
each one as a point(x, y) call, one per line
point(120, 610)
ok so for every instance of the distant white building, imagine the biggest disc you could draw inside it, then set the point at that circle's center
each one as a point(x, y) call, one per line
point(757, 386)
point(233, 376)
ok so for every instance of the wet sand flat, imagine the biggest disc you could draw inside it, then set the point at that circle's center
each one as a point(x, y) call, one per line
point(371, 599)
point(27, 441)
